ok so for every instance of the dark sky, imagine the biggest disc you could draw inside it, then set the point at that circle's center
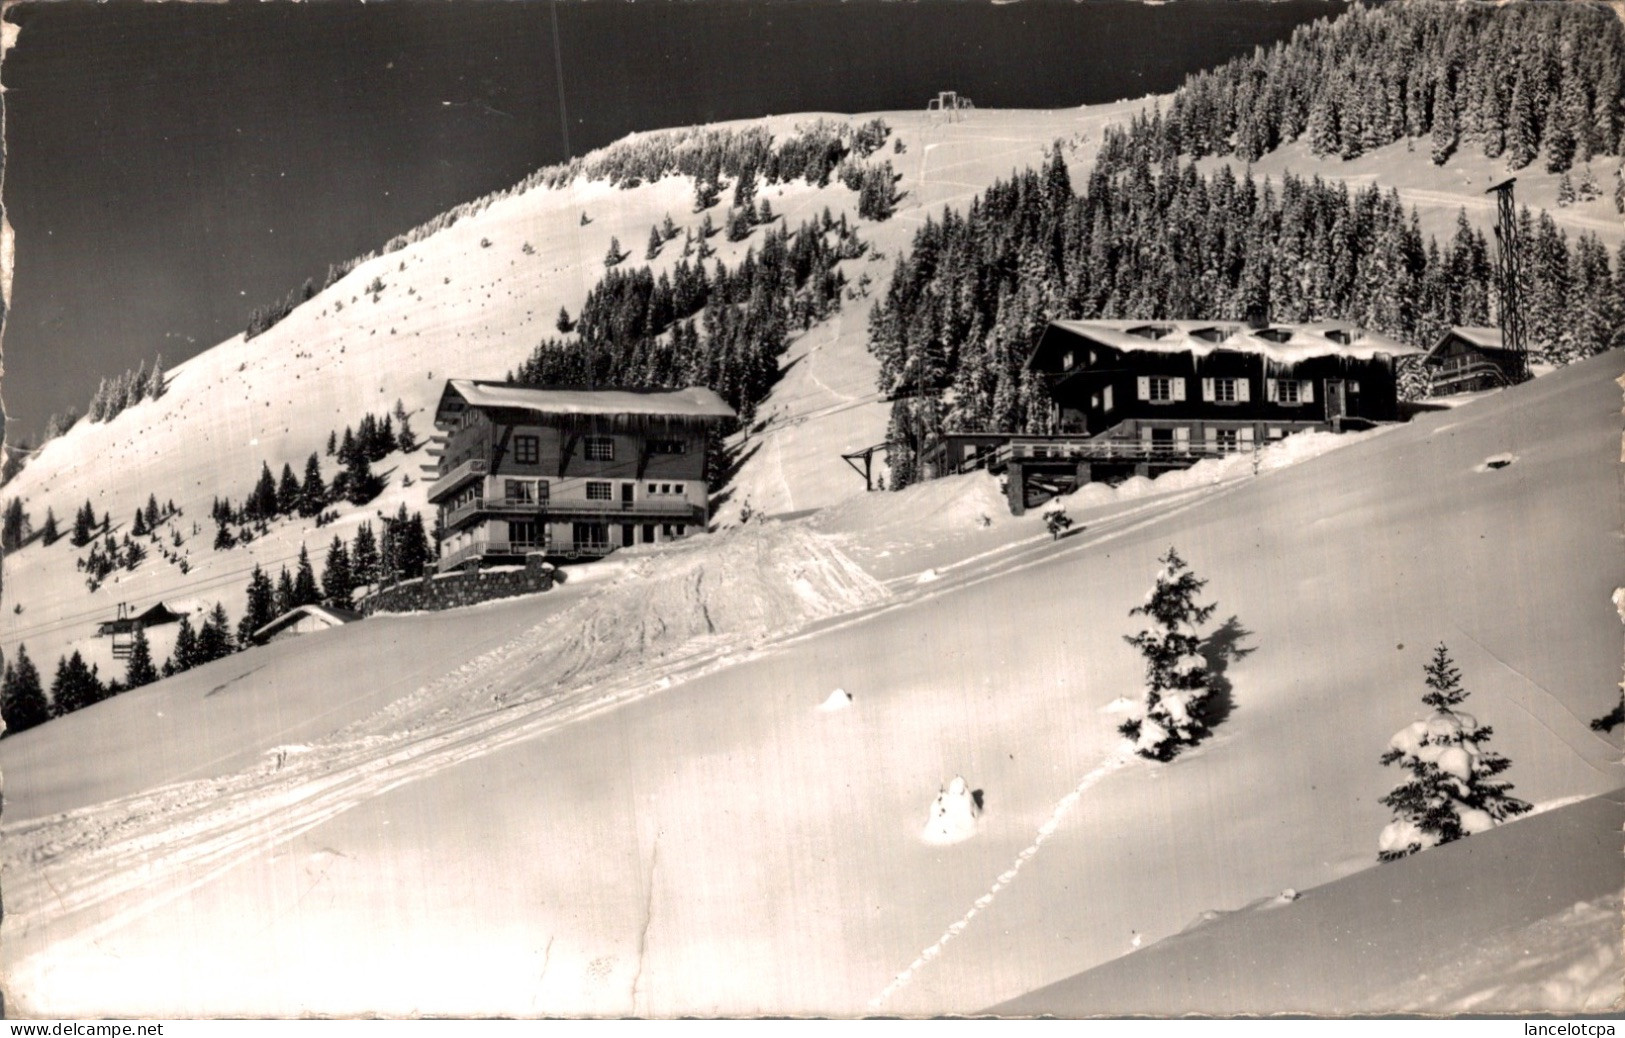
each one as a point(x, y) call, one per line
point(171, 166)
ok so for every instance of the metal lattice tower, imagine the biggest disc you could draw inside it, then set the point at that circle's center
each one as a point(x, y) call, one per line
point(1507, 278)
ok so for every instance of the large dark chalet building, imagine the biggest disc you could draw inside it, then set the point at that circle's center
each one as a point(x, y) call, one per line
point(1147, 396)
point(568, 473)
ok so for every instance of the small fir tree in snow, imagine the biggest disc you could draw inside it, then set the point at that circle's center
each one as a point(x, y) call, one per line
point(283, 599)
point(305, 589)
point(185, 655)
point(22, 695)
point(1449, 792)
point(313, 493)
point(140, 670)
point(1057, 522)
point(1177, 688)
point(214, 640)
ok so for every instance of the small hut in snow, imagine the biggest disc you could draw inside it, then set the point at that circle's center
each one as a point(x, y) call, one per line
point(304, 619)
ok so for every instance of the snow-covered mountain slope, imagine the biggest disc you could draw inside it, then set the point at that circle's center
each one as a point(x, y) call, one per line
point(469, 301)
point(1494, 924)
point(505, 842)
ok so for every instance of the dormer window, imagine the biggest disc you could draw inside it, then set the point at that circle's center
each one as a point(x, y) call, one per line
point(1208, 334)
point(1274, 334)
point(1339, 336)
point(1152, 331)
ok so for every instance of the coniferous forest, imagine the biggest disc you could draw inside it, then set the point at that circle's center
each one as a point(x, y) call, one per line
point(1149, 236)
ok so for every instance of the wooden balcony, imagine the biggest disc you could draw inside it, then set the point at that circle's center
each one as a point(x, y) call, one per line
point(471, 469)
point(1176, 453)
point(501, 547)
point(563, 510)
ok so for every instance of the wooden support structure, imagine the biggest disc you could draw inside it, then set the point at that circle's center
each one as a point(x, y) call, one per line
point(868, 456)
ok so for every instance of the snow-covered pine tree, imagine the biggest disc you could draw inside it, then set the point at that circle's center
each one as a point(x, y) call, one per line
point(1177, 687)
point(313, 493)
point(337, 581)
point(287, 491)
point(214, 640)
point(22, 695)
point(1450, 792)
point(305, 589)
point(140, 670)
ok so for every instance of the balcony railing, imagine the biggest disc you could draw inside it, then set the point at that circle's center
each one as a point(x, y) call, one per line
point(486, 546)
point(1177, 452)
point(499, 508)
point(468, 470)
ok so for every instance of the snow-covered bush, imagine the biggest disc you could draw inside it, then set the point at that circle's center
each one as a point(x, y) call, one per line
point(1057, 522)
point(1177, 690)
point(1448, 793)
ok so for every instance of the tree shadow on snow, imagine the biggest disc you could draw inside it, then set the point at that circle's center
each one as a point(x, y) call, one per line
point(1219, 650)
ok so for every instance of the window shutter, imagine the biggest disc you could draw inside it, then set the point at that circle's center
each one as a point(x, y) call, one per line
point(1182, 436)
point(1106, 398)
point(1207, 390)
point(1142, 388)
point(1244, 392)
point(1211, 435)
point(1271, 392)
point(1247, 435)
point(1179, 389)
point(1306, 391)
point(1353, 387)
point(1145, 434)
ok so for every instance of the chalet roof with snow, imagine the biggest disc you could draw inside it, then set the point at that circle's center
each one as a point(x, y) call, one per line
point(327, 615)
point(156, 615)
point(1479, 338)
point(692, 405)
point(1285, 344)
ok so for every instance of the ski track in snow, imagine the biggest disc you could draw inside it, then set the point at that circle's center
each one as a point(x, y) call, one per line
point(179, 838)
point(1007, 877)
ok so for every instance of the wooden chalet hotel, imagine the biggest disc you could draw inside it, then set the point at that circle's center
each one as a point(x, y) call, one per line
point(1142, 397)
point(570, 473)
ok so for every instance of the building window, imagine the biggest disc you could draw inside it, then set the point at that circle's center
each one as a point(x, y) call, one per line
point(1106, 399)
point(591, 535)
point(1160, 389)
point(674, 530)
point(527, 449)
point(1069, 360)
point(520, 491)
point(600, 448)
point(523, 535)
point(1226, 440)
point(600, 491)
point(1287, 392)
point(668, 446)
point(648, 533)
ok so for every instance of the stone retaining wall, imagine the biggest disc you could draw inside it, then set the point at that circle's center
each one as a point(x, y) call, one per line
point(461, 588)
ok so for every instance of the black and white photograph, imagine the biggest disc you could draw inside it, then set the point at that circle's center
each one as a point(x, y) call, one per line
point(585, 509)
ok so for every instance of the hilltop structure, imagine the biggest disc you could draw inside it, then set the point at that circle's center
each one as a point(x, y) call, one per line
point(569, 473)
point(1149, 396)
point(1466, 360)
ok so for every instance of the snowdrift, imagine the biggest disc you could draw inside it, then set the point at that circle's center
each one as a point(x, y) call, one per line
point(1522, 919)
